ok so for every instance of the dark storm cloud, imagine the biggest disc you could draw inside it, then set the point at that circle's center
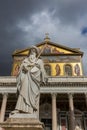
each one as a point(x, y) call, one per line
point(70, 11)
point(11, 37)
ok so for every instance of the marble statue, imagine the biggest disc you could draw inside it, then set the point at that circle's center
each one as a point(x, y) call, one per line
point(31, 74)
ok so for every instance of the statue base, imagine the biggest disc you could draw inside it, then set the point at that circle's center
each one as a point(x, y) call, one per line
point(22, 122)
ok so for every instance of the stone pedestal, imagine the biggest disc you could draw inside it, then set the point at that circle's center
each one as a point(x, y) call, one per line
point(22, 122)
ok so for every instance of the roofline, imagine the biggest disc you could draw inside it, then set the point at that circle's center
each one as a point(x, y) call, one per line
point(51, 43)
point(58, 45)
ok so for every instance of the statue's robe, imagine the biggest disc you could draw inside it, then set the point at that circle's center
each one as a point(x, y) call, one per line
point(28, 85)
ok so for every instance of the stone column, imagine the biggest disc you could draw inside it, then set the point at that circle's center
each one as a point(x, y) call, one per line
point(71, 112)
point(86, 99)
point(3, 107)
point(54, 112)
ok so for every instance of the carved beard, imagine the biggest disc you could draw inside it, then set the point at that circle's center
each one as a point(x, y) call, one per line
point(32, 57)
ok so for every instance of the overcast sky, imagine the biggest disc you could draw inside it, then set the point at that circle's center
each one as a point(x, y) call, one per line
point(25, 22)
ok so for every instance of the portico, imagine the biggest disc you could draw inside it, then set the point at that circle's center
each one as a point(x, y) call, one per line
point(65, 111)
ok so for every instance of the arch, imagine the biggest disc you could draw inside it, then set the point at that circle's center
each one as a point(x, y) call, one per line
point(68, 70)
point(47, 69)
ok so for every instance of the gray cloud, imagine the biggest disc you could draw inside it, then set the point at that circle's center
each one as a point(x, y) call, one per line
point(70, 11)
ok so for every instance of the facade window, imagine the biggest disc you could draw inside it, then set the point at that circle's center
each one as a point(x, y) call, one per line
point(48, 69)
point(68, 70)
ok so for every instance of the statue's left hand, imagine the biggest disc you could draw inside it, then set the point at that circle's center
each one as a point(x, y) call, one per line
point(45, 81)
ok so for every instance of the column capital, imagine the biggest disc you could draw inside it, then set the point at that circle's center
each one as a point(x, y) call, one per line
point(54, 94)
point(85, 95)
point(70, 95)
point(5, 94)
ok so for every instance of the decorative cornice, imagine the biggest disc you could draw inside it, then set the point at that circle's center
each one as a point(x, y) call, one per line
point(50, 82)
point(52, 85)
point(7, 81)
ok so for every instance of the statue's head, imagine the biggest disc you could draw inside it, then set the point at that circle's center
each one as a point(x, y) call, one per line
point(33, 49)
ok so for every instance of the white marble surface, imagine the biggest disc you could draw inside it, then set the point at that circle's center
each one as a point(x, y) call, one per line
point(22, 115)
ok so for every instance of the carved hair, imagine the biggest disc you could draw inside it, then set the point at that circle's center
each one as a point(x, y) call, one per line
point(35, 49)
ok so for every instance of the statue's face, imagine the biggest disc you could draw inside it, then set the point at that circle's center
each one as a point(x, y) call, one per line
point(33, 53)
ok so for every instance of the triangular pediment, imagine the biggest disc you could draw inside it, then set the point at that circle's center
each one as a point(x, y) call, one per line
point(57, 49)
point(50, 48)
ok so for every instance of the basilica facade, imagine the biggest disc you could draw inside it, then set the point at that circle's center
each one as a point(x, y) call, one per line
point(63, 98)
